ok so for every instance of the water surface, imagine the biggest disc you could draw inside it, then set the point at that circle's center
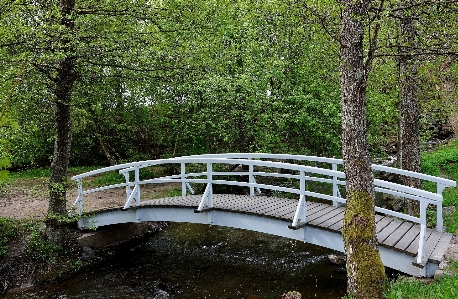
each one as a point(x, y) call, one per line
point(190, 261)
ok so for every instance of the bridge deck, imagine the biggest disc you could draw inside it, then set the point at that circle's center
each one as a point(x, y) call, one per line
point(391, 233)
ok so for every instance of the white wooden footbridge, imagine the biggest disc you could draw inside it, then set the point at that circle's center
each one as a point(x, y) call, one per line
point(309, 215)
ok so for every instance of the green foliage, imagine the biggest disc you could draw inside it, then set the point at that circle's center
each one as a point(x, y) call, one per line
point(8, 230)
point(442, 160)
point(188, 77)
point(39, 248)
point(382, 101)
point(5, 163)
point(453, 267)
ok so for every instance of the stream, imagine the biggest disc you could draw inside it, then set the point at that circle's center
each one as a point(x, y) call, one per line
point(201, 261)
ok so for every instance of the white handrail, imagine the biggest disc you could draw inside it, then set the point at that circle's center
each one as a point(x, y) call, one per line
point(331, 176)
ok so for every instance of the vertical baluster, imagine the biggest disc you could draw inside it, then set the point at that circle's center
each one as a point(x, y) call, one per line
point(335, 188)
point(422, 240)
point(80, 196)
point(128, 189)
point(137, 185)
point(303, 186)
point(183, 177)
point(439, 219)
point(210, 186)
point(251, 179)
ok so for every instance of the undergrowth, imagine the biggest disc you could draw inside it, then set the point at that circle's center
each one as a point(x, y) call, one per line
point(8, 230)
point(37, 247)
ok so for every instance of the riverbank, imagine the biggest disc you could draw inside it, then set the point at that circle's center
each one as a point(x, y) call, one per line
point(30, 261)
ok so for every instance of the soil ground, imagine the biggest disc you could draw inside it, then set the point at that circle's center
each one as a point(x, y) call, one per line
point(28, 199)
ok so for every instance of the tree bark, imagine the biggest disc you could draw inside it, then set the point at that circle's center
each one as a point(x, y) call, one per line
point(365, 271)
point(63, 85)
point(409, 147)
point(447, 89)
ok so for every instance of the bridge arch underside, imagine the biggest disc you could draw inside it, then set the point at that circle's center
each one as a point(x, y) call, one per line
point(391, 258)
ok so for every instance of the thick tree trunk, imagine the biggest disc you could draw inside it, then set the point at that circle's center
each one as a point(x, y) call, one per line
point(64, 81)
point(409, 147)
point(365, 271)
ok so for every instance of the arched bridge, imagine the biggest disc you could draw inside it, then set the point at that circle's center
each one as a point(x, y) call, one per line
point(312, 210)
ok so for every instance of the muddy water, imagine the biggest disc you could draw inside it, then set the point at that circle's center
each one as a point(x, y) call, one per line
point(200, 261)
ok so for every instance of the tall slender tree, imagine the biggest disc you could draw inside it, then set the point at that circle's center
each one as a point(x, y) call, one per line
point(409, 113)
point(62, 88)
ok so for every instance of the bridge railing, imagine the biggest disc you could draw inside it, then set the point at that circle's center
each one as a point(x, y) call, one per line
point(380, 185)
point(299, 172)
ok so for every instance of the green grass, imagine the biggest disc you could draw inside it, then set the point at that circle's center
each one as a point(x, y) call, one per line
point(446, 287)
point(37, 173)
point(440, 162)
point(444, 162)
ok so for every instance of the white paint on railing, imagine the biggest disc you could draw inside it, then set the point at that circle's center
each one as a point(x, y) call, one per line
point(332, 176)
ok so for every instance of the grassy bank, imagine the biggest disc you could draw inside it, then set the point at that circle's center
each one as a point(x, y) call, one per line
point(439, 162)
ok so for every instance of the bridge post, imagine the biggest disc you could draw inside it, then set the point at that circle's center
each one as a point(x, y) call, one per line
point(439, 219)
point(422, 238)
point(335, 188)
point(137, 185)
point(80, 196)
point(209, 182)
point(133, 192)
point(128, 190)
point(251, 179)
point(303, 188)
point(183, 176)
point(301, 210)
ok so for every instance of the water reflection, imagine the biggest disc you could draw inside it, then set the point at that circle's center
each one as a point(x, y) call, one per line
point(200, 261)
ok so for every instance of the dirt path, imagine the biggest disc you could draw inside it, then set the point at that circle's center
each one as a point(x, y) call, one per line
point(29, 199)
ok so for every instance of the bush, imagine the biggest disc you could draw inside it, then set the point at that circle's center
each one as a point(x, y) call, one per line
point(8, 230)
point(39, 248)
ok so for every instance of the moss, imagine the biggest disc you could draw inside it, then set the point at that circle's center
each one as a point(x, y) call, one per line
point(365, 270)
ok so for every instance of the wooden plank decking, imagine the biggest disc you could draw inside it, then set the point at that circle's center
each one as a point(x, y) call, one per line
point(391, 233)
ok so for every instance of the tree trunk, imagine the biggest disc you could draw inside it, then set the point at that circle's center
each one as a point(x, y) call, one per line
point(365, 271)
point(447, 89)
point(109, 153)
point(409, 147)
point(64, 80)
